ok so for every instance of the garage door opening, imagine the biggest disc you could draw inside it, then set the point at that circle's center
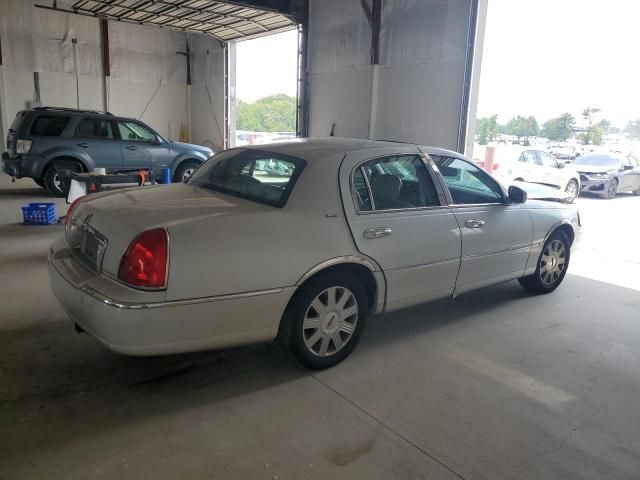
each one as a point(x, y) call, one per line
point(558, 106)
point(263, 108)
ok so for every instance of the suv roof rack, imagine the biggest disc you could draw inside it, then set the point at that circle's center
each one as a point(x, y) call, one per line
point(65, 109)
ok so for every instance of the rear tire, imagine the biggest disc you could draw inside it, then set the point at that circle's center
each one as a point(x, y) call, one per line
point(325, 320)
point(52, 180)
point(185, 170)
point(552, 265)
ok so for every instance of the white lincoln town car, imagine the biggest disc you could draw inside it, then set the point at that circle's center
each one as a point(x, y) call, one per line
point(301, 242)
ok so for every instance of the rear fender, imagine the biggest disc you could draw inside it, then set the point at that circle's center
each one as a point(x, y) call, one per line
point(62, 154)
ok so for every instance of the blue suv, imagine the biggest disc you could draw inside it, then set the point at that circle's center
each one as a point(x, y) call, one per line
point(46, 140)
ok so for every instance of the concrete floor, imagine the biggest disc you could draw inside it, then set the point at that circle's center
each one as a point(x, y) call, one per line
point(496, 384)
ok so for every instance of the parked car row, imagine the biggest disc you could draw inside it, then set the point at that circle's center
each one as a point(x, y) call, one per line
point(535, 166)
point(45, 141)
point(602, 174)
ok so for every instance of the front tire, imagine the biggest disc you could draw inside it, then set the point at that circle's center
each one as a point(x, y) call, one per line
point(185, 170)
point(325, 320)
point(572, 189)
point(612, 189)
point(552, 265)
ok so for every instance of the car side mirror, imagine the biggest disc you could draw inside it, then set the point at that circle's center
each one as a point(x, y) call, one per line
point(517, 195)
point(627, 167)
point(561, 165)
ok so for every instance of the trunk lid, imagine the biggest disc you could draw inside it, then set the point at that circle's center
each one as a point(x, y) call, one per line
point(118, 217)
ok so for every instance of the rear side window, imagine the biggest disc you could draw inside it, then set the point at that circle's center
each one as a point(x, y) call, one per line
point(49, 125)
point(260, 176)
point(396, 182)
point(94, 128)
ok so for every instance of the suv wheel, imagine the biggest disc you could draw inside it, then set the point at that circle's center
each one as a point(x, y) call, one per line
point(325, 320)
point(185, 170)
point(53, 180)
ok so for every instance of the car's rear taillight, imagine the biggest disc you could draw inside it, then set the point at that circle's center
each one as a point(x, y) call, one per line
point(23, 146)
point(144, 264)
point(73, 205)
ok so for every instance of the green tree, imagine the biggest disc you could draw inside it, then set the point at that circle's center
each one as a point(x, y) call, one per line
point(633, 129)
point(589, 114)
point(488, 129)
point(559, 128)
point(523, 127)
point(276, 113)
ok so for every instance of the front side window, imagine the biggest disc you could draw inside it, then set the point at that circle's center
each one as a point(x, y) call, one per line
point(94, 128)
point(530, 157)
point(467, 183)
point(49, 125)
point(135, 132)
point(547, 160)
point(256, 175)
point(396, 182)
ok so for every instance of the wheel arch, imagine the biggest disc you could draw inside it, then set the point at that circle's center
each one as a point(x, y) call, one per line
point(564, 227)
point(64, 158)
point(363, 269)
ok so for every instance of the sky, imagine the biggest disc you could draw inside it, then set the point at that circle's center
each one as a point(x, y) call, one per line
point(546, 57)
point(266, 66)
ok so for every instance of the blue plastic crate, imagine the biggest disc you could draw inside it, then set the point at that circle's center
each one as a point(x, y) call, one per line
point(39, 213)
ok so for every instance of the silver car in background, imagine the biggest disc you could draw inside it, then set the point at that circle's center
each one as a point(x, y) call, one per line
point(303, 251)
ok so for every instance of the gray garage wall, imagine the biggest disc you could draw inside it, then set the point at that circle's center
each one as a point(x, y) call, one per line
point(148, 78)
point(416, 92)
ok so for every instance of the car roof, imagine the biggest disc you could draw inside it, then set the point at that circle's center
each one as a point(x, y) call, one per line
point(72, 111)
point(325, 146)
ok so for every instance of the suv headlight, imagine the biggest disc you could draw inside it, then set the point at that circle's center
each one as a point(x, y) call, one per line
point(23, 146)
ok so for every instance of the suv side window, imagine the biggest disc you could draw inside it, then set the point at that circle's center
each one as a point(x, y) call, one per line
point(467, 183)
point(547, 160)
point(136, 132)
point(396, 182)
point(94, 128)
point(49, 125)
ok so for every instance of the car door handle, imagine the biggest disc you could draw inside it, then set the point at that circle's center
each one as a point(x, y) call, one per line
point(84, 145)
point(131, 147)
point(474, 223)
point(378, 232)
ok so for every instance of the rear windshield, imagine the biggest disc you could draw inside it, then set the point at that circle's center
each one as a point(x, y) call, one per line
point(260, 176)
point(49, 125)
point(598, 161)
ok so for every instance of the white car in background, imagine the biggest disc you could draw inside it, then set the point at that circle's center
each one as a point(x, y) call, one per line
point(524, 164)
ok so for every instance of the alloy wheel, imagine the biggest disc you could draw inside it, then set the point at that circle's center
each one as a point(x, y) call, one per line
point(57, 181)
point(552, 262)
point(572, 190)
point(187, 173)
point(613, 188)
point(330, 321)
